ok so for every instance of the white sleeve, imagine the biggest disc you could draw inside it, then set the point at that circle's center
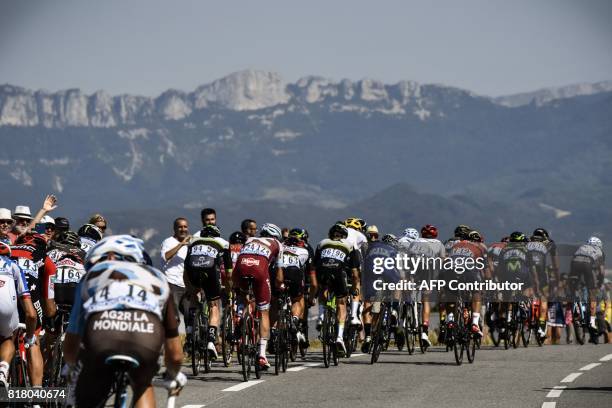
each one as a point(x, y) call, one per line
point(166, 246)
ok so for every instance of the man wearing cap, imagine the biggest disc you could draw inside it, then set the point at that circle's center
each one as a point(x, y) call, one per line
point(23, 218)
point(61, 225)
point(49, 223)
point(6, 224)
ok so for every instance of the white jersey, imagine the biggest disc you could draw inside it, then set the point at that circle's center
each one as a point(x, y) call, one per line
point(294, 256)
point(356, 239)
point(12, 284)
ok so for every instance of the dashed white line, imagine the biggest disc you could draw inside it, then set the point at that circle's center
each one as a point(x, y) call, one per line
point(357, 355)
point(556, 391)
point(193, 406)
point(606, 358)
point(298, 368)
point(313, 364)
point(590, 366)
point(549, 404)
point(242, 386)
point(571, 377)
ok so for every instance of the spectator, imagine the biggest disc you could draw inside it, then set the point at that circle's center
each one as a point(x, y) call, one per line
point(49, 223)
point(209, 217)
point(99, 221)
point(22, 216)
point(173, 253)
point(285, 233)
point(62, 225)
point(6, 225)
point(248, 227)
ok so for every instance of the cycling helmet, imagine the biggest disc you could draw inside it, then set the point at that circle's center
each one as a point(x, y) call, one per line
point(429, 231)
point(475, 236)
point(541, 232)
point(70, 238)
point(518, 236)
point(5, 249)
point(299, 233)
point(125, 247)
point(90, 231)
point(462, 231)
point(210, 231)
point(411, 233)
point(537, 238)
point(271, 230)
point(595, 242)
point(389, 239)
point(355, 223)
point(33, 239)
point(237, 237)
point(337, 229)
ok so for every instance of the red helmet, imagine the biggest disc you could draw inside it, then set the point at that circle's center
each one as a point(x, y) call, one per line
point(429, 231)
point(34, 239)
point(5, 249)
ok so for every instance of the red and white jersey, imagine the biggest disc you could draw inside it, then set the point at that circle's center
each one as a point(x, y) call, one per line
point(261, 252)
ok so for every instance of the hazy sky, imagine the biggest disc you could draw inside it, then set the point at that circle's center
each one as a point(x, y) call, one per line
point(145, 47)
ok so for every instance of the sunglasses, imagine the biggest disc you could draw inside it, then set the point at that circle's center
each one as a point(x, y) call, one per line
point(7, 222)
point(50, 227)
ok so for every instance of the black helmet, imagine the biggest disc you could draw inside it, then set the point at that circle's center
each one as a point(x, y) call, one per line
point(462, 231)
point(237, 237)
point(518, 236)
point(210, 231)
point(474, 236)
point(337, 229)
point(70, 238)
point(389, 239)
point(298, 233)
point(541, 232)
point(90, 231)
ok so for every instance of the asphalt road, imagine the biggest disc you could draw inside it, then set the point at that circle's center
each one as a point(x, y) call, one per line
point(525, 377)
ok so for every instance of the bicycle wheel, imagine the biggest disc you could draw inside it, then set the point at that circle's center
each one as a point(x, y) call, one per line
point(525, 326)
point(409, 328)
point(458, 347)
point(578, 323)
point(377, 338)
point(246, 347)
point(469, 340)
point(195, 346)
point(332, 337)
point(227, 330)
point(422, 344)
point(206, 355)
point(278, 343)
point(303, 347)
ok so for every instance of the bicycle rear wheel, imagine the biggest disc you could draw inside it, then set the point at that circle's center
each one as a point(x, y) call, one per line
point(578, 323)
point(206, 355)
point(195, 346)
point(409, 328)
point(247, 346)
point(458, 347)
point(326, 334)
point(227, 333)
point(422, 344)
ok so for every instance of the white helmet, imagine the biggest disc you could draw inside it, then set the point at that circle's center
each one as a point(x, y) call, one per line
point(595, 242)
point(125, 247)
point(411, 233)
point(271, 230)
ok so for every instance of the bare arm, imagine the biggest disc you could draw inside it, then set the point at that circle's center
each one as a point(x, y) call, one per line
point(49, 205)
point(173, 251)
point(30, 315)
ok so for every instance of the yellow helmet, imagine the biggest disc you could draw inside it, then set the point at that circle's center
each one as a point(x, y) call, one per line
point(355, 223)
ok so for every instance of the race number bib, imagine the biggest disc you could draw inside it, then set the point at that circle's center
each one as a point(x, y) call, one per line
point(333, 253)
point(123, 295)
point(28, 266)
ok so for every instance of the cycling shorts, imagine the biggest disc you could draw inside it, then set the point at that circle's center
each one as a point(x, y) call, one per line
point(585, 272)
point(134, 333)
point(9, 316)
point(261, 281)
point(334, 280)
point(207, 279)
point(295, 278)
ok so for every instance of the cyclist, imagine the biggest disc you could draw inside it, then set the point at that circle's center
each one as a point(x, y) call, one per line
point(588, 265)
point(461, 233)
point(122, 306)
point(429, 248)
point(473, 248)
point(257, 257)
point(13, 285)
point(29, 252)
point(297, 264)
point(236, 242)
point(493, 251)
point(410, 234)
point(333, 257)
point(89, 235)
point(514, 266)
point(205, 256)
point(543, 254)
point(356, 228)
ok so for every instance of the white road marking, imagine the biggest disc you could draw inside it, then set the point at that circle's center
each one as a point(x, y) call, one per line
point(606, 358)
point(298, 368)
point(571, 377)
point(590, 366)
point(357, 354)
point(549, 405)
point(242, 386)
point(193, 406)
point(313, 364)
point(556, 391)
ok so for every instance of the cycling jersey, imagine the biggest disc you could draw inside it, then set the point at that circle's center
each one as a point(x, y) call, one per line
point(203, 262)
point(462, 250)
point(119, 286)
point(514, 261)
point(296, 263)
point(448, 245)
point(332, 260)
point(493, 253)
point(429, 249)
point(57, 251)
point(87, 243)
point(39, 271)
point(13, 283)
point(256, 258)
point(68, 275)
point(540, 255)
point(235, 251)
point(374, 269)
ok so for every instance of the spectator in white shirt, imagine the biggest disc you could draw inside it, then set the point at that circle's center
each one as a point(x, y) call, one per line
point(173, 253)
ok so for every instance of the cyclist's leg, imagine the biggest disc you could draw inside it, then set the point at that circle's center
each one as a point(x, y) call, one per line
point(212, 290)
